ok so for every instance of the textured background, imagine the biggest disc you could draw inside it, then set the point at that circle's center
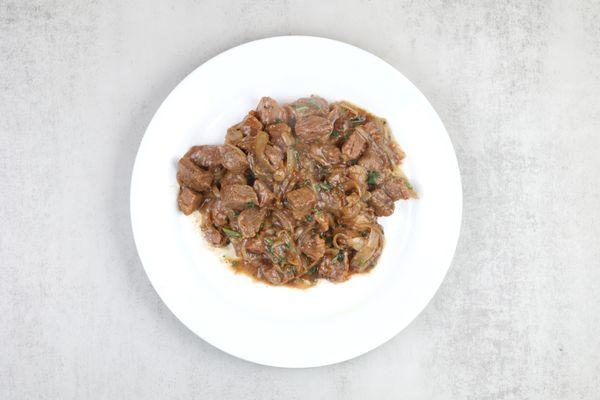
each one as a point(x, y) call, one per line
point(516, 83)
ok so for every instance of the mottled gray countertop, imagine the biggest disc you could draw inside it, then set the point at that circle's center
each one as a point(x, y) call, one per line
point(517, 85)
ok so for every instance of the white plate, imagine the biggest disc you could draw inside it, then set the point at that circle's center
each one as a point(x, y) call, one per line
point(280, 326)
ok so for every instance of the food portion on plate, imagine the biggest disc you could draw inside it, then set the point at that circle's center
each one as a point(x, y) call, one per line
point(297, 189)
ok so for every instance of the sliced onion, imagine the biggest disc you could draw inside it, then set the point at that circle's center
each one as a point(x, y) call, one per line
point(361, 260)
point(262, 139)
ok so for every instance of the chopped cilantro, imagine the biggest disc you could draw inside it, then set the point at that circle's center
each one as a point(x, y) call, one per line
point(249, 204)
point(326, 186)
point(278, 120)
point(339, 257)
point(335, 134)
point(309, 218)
point(231, 233)
point(313, 270)
point(372, 177)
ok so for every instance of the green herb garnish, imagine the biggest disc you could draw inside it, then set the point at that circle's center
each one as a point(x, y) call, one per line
point(372, 177)
point(249, 204)
point(231, 233)
point(278, 120)
point(287, 244)
point(408, 185)
point(313, 270)
point(335, 134)
point(339, 257)
point(269, 241)
point(309, 218)
point(326, 186)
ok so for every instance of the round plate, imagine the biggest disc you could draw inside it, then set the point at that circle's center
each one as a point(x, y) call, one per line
point(282, 326)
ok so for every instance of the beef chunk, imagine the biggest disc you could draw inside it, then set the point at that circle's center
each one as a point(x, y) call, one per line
point(396, 188)
point(250, 220)
point(283, 219)
point(335, 269)
point(233, 158)
point(301, 200)
point(313, 247)
point(372, 161)
point(218, 213)
point(265, 195)
point(354, 146)
point(313, 105)
point(193, 176)
point(213, 235)
point(382, 204)
point(276, 133)
point(251, 125)
point(274, 155)
point(188, 200)
point(313, 127)
point(255, 245)
point(325, 154)
point(207, 156)
point(238, 197)
point(270, 112)
point(231, 178)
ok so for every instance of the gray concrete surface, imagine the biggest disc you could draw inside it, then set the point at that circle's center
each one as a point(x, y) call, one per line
point(518, 86)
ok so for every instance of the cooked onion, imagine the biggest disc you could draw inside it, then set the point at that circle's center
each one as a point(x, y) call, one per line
point(360, 261)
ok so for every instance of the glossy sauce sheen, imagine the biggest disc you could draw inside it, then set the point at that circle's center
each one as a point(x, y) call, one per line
point(297, 189)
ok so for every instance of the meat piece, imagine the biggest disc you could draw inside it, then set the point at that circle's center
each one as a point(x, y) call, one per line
point(396, 188)
point(372, 161)
point(233, 158)
point(231, 178)
point(276, 133)
point(382, 204)
point(249, 221)
point(207, 156)
point(193, 176)
point(255, 245)
point(331, 200)
point(354, 146)
point(188, 200)
point(312, 105)
point(213, 235)
point(248, 143)
point(358, 173)
point(283, 219)
point(335, 269)
point(238, 197)
point(234, 135)
point(251, 125)
point(271, 275)
point(325, 154)
point(301, 200)
point(313, 247)
point(274, 155)
point(270, 112)
point(313, 127)
point(265, 195)
point(218, 213)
